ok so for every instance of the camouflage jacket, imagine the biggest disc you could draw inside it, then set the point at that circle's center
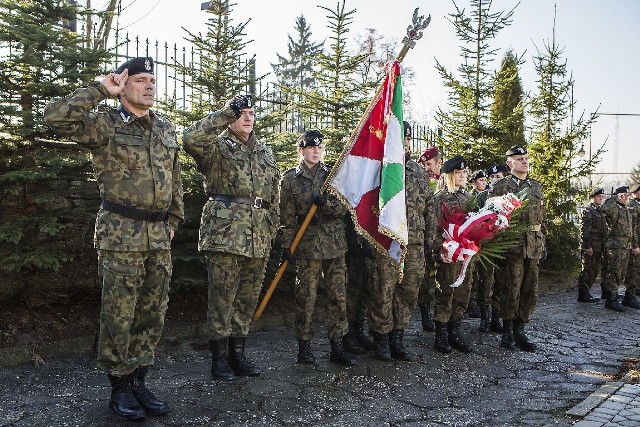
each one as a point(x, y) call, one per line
point(620, 224)
point(593, 228)
point(136, 163)
point(534, 215)
point(634, 207)
point(419, 199)
point(231, 168)
point(443, 201)
point(325, 238)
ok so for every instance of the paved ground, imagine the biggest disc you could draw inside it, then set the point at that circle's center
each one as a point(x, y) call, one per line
point(582, 350)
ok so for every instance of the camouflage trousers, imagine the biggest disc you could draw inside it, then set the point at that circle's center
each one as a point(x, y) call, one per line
point(487, 292)
point(618, 259)
point(309, 273)
point(633, 274)
point(359, 271)
point(381, 290)
point(405, 295)
point(519, 278)
point(591, 267)
point(450, 303)
point(234, 287)
point(429, 286)
point(135, 294)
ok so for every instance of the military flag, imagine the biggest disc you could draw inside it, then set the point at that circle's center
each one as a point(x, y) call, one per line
point(369, 176)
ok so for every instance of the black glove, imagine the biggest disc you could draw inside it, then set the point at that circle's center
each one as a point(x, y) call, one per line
point(286, 255)
point(319, 199)
point(239, 102)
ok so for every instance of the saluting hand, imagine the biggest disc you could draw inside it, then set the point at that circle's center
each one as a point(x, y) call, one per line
point(115, 82)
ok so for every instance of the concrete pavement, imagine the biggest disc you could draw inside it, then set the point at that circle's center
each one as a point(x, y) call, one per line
point(581, 349)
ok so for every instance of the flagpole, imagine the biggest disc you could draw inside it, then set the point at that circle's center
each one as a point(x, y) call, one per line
point(414, 32)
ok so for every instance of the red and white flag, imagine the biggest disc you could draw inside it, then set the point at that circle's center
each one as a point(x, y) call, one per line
point(369, 178)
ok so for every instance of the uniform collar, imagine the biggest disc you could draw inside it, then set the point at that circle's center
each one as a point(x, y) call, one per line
point(128, 117)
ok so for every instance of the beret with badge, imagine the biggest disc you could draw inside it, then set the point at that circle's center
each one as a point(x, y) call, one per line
point(621, 190)
point(477, 175)
point(310, 138)
point(239, 103)
point(407, 129)
point(597, 192)
point(141, 64)
point(454, 163)
point(428, 154)
point(516, 150)
point(497, 169)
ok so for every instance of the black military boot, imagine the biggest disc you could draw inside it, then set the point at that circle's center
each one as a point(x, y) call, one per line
point(122, 402)
point(613, 303)
point(473, 309)
point(427, 320)
point(631, 300)
point(484, 319)
point(496, 321)
point(362, 337)
point(520, 337)
point(508, 340)
point(381, 346)
point(455, 338)
point(350, 343)
point(338, 354)
point(305, 356)
point(238, 361)
point(220, 369)
point(441, 341)
point(585, 296)
point(144, 396)
point(396, 345)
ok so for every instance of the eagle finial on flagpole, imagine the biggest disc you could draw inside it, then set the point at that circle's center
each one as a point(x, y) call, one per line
point(414, 32)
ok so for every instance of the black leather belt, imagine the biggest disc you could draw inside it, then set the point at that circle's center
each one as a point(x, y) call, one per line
point(257, 202)
point(134, 213)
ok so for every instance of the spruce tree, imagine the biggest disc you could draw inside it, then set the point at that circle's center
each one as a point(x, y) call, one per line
point(634, 178)
point(465, 126)
point(41, 59)
point(507, 110)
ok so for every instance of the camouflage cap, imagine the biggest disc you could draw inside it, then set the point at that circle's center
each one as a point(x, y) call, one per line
point(597, 192)
point(141, 64)
point(477, 175)
point(310, 138)
point(429, 154)
point(454, 163)
point(407, 129)
point(516, 150)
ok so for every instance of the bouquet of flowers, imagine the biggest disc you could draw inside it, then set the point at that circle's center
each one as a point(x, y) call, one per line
point(468, 233)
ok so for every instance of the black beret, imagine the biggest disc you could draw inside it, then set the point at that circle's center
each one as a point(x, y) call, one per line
point(516, 150)
point(141, 64)
point(621, 190)
point(477, 175)
point(310, 138)
point(457, 162)
point(497, 169)
point(407, 129)
point(597, 192)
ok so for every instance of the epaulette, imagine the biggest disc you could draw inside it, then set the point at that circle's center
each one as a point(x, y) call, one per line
point(103, 107)
point(324, 167)
point(292, 170)
point(230, 142)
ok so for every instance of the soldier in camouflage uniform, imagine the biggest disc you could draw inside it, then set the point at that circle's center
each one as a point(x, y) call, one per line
point(480, 291)
point(450, 303)
point(320, 251)
point(632, 278)
point(432, 162)
point(238, 224)
point(593, 236)
point(135, 157)
point(621, 242)
point(519, 271)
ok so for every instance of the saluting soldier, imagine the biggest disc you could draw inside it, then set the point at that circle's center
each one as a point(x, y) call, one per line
point(519, 271)
point(321, 250)
point(621, 242)
point(593, 235)
point(238, 224)
point(450, 303)
point(632, 278)
point(135, 158)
